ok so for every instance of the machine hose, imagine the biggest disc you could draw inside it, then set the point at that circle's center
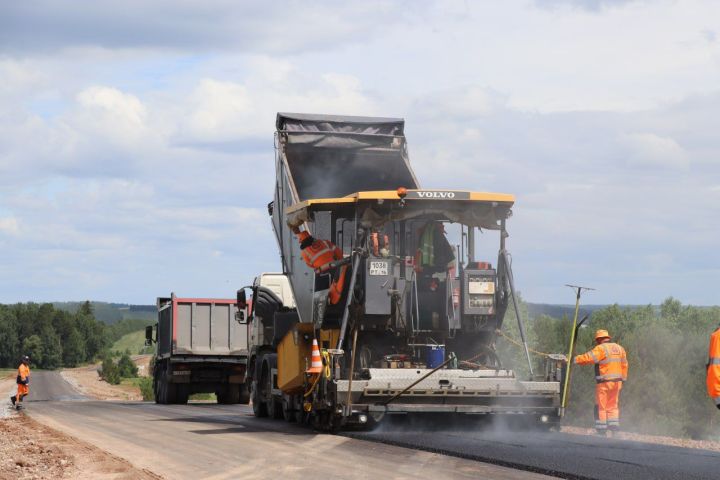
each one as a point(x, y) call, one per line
point(519, 344)
point(326, 369)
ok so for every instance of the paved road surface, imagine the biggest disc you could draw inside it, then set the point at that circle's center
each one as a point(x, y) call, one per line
point(225, 441)
point(563, 455)
point(48, 385)
point(216, 442)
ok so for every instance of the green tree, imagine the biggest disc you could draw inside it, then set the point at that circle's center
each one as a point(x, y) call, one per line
point(73, 349)
point(9, 342)
point(52, 351)
point(33, 347)
point(109, 371)
point(127, 367)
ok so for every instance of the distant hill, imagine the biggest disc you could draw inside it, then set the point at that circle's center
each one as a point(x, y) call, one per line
point(536, 310)
point(111, 313)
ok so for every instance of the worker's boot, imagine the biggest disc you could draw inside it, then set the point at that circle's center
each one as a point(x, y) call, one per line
point(13, 399)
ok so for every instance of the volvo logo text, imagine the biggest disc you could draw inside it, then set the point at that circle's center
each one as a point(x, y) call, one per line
point(436, 194)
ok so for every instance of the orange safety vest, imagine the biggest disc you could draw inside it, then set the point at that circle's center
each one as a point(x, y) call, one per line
point(23, 371)
point(320, 253)
point(610, 361)
point(713, 367)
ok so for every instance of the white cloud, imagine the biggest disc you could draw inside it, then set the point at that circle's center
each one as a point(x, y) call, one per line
point(137, 158)
point(650, 150)
point(9, 226)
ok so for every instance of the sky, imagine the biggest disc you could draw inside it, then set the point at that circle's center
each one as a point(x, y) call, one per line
point(137, 154)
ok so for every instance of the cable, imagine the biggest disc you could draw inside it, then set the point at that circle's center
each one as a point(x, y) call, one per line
point(517, 343)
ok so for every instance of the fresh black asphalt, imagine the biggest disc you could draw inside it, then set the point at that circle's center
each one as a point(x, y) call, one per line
point(559, 454)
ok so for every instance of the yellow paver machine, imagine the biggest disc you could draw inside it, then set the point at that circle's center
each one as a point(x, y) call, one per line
point(413, 331)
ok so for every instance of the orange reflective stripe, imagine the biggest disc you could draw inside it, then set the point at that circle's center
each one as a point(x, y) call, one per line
point(614, 364)
point(319, 254)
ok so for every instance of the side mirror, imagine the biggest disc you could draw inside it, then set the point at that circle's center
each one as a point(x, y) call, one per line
point(241, 317)
point(148, 335)
point(241, 299)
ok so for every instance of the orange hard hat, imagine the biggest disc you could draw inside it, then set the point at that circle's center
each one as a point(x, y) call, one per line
point(601, 334)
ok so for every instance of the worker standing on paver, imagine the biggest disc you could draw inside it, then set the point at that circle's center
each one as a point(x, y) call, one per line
point(611, 369)
point(318, 254)
point(713, 368)
point(23, 382)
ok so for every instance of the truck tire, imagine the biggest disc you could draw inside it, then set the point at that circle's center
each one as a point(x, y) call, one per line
point(228, 394)
point(182, 393)
point(244, 394)
point(290, 405)
point(272, 402)
point(162, 396)
point(258, 403)
point(170, 392)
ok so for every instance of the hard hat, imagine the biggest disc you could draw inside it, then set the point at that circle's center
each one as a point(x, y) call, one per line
point(25, 358)
point(601, 334)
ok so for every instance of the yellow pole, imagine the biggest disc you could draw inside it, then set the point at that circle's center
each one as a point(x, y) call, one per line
point(571, 352)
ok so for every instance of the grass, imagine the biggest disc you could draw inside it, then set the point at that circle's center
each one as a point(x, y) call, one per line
point(134, 341)
point(203, 396)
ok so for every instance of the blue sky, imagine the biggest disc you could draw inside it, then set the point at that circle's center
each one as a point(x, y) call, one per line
point(136, 138)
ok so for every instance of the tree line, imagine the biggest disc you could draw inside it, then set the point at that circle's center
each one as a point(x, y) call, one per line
point(56, 338)
point(667, 351)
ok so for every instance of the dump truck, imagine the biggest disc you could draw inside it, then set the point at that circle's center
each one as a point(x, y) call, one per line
point(415, 327)
point(201, 348)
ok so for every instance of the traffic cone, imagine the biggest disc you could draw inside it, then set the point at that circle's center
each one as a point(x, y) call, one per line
point(315, 360)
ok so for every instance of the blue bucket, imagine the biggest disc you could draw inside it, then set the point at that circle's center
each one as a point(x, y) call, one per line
point(435, 355)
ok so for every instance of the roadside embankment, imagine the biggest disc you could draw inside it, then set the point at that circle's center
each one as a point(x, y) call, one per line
point(87, 381)
point(32, 451)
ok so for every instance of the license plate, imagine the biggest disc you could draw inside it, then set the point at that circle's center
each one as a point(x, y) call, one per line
point(378, 268)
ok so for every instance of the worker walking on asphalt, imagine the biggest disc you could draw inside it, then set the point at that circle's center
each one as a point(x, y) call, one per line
point(713, 368)
point(23, 382)
point(318, 254)
point(611, 369)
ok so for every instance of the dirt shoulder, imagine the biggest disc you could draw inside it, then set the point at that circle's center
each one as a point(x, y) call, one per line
point(637, 437)
point(32, 451)
point(88, 382)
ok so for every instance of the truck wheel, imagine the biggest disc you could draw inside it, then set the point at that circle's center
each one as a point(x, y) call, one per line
point(273, 403)
point(170, 392)
point(182, 394)
point(244, 397)
point(258, 405)
point(163, 386)
point(156, 391)
point(289, 408)
point(274, 408)
point(229, 394)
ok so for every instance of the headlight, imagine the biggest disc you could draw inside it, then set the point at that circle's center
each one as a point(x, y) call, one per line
point(362, 418)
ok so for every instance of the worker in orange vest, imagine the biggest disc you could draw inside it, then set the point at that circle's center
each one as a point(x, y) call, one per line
point(23, 382)
point(611, 369)
point(713, 368)
point(318, 254)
